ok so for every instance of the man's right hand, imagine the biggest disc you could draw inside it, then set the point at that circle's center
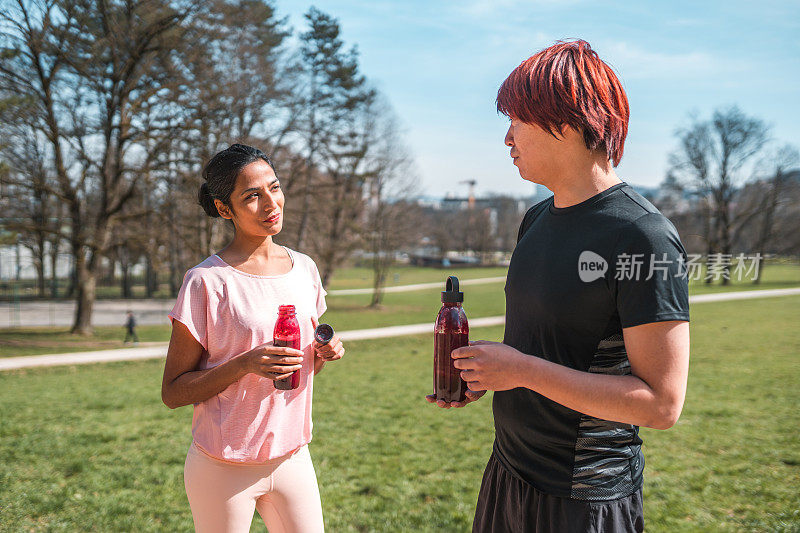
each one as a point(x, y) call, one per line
point(272, 362)
point(471, 397)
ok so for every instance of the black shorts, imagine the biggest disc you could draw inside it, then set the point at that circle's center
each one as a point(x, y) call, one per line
point(506, 504)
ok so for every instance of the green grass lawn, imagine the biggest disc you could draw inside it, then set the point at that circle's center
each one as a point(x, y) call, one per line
point(361, 277)
point(352, 312)
point(777, 275)
point(93, 448)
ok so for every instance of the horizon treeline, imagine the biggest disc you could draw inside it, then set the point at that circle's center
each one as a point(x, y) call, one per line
point(109, 110)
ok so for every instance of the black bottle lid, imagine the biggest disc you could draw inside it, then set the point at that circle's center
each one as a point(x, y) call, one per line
point(451, 293)
point(323, 334)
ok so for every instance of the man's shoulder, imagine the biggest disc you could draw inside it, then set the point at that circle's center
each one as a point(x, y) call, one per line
point(537, 208)
point(531, 215)
point(633, 204)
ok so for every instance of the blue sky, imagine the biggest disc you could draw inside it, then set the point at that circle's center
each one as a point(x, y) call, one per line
point(440, 63)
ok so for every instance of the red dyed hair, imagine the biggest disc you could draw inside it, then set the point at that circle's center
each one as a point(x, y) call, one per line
point(568, 83)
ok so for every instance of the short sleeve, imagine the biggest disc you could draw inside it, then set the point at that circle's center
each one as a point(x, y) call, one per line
point(318, 289)
point(649, 277)
point(191, 307)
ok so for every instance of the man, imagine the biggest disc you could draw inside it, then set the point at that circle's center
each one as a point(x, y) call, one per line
point(597, 337)
point(130, 329)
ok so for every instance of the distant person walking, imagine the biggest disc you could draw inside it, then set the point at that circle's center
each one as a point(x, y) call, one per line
point(596, 337)
point(130, 329)
point(250, 440)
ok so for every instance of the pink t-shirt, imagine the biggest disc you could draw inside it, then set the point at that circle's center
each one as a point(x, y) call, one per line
point(230, 312)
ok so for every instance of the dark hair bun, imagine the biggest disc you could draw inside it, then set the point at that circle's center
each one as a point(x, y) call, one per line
point(206, 201)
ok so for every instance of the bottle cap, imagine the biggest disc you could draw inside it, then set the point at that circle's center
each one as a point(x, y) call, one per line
point(323, 334)
point(286, 310)
point(451, 293)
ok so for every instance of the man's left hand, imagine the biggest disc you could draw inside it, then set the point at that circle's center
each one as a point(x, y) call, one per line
point(489, 365)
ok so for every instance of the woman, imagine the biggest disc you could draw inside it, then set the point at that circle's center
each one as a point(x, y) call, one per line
point(249, 440)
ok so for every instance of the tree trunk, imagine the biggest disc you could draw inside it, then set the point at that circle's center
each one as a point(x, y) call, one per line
point(39, 262)
point(54, 246)
point(725, 240)
point(18, 274)
point(767, 223)
point(332, 241)
point(380, 267)
point(150, 278)
point(73, 280)
point(378, 281)
point(39, 265)
point(87, 289)
point(175, 274)
point(306, 206)
point(125, 278)
point(711, 240)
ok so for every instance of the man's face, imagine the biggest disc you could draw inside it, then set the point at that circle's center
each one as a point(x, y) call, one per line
point(535, 152)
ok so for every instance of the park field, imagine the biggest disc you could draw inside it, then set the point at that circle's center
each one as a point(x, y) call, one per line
point(93, 448)
point(348, 312)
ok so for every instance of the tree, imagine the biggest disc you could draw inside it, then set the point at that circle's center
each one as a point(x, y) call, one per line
point(33, 214)
point(780, 161)
point(230, 86)
point(93, 71)
point(349, 165)
point(713, 157)
point(334, 88)
point(391, 219)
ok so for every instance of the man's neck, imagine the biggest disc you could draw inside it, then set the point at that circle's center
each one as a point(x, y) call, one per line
point(576, 187)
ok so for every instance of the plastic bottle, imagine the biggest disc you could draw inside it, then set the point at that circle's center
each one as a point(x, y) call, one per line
point(287, 333)
point(451, 332)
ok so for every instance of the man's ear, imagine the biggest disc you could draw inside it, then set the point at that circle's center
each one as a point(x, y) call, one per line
point(569, 133)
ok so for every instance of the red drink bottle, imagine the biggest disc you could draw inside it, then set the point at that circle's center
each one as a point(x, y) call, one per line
point(287, 333)
point(451, 332)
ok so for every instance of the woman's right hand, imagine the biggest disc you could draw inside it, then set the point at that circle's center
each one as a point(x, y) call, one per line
point(272, 362)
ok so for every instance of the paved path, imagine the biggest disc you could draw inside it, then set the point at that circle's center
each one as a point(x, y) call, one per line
point(150, 312)
point(153, 352)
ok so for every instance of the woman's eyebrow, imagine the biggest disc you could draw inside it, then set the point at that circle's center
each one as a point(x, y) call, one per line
point(252, 189)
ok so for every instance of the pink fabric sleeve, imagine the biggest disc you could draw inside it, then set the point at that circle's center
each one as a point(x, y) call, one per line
point(191, 307)
point(321, 292)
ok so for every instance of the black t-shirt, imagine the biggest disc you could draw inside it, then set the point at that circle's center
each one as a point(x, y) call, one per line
point(579, 275)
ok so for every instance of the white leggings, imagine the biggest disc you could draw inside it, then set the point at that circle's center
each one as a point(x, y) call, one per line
point(224, 495)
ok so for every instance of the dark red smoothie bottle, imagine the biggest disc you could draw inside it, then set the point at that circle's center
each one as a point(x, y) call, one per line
point(451, 332)
point(287, 333)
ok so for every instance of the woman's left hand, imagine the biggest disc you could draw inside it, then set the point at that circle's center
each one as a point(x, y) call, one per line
point(330, 351)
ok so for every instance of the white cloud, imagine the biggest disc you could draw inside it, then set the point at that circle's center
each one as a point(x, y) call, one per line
point(634, 62)
point(504, 8)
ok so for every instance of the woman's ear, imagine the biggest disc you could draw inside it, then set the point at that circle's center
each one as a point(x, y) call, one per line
point(223, 210)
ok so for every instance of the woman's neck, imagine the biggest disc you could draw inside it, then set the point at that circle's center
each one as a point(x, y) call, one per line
point(243, 248)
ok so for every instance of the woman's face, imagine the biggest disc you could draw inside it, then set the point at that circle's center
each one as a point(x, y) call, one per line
point(256, 201)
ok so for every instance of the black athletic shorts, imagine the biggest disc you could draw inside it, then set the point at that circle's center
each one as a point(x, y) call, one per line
point(506, 504)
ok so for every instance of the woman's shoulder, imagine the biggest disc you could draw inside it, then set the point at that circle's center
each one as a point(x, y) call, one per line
point(208, 269)
point(303, 261)
point(299, 257)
